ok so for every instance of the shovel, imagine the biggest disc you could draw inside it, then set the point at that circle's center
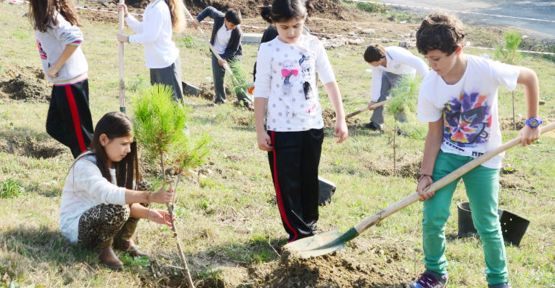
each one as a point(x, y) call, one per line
point(226, 66)
point(331, 241)
point(121, 67)
point(366, 108)
point(234, 79)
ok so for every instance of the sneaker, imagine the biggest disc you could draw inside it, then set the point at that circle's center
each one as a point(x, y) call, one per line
point(504, 285)
point(373, 126)
point(430, 280)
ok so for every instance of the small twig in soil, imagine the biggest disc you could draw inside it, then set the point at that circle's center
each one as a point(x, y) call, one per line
point(274, 249)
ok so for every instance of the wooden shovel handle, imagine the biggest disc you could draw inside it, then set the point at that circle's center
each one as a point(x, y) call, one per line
point(372, 220)
point(121, 67)
point(366, 108)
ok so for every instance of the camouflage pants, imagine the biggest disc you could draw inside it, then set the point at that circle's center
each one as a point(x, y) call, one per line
point(101, 223)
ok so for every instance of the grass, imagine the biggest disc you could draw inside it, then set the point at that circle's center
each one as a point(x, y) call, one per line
point(226, 210)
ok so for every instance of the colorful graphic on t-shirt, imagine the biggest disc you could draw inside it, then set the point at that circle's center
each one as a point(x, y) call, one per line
point(467, 120)
point(306, 74)
point(41, 52)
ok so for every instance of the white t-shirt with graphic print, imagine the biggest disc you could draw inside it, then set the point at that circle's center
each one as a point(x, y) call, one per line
point(468, 107)
point(286, 76)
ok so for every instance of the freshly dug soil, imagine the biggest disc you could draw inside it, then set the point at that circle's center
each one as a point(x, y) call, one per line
point(24, 84)
point(376, 267)
point(367, 262)
point(249, 8)
point(31, 146)
point(329, 119)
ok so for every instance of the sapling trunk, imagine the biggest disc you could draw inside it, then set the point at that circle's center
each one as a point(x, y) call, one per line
point(395, 150)
point(170, 207)
point(514, 121)
point(159, 125)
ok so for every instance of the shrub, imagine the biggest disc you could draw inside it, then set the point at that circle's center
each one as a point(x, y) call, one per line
point(10, 189)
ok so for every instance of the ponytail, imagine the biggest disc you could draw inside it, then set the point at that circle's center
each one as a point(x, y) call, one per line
point(177, 10)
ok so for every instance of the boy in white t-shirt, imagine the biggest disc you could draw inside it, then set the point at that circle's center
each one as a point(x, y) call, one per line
point(458, 99)
point(389, 64)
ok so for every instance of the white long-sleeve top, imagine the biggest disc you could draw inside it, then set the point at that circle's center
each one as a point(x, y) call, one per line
point(155, 33)
point(400, 61)
point(84, 188)
point(51, 45)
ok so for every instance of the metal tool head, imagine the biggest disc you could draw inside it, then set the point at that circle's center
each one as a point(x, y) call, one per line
point(316, 245)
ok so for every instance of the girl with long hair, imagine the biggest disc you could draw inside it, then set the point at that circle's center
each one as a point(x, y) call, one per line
point(59, 42)
point(100, 207)
point(161, 19)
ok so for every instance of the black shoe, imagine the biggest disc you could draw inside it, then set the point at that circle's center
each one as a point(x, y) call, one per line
point(402, 133)
point(373, 126)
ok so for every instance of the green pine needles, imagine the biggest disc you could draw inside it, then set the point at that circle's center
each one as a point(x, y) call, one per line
point(508, 52)
point(404, 95)
point(160, 128)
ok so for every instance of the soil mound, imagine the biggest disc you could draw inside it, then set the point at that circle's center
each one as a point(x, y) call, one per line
point(24, 84)
point(377, 267)
point(249, 8)
point(328, 115)
point(31, 146)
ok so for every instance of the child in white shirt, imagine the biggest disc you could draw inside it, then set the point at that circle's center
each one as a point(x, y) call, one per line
point(389, 64)
point(459, 100)
point(288, 115)
point(99, 207)
point(160, 19)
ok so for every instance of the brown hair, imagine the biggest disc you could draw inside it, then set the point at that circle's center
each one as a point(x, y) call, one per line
point(374, 53)
point(439, 31)
point(177, 12)
point(114, 125)
point(42, 13)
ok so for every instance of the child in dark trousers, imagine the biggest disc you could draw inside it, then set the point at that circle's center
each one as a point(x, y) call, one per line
point(226, 41)
point(59, 42)
point(458, 99)
point(389, 64)
point(160, 20)
point(288, 114)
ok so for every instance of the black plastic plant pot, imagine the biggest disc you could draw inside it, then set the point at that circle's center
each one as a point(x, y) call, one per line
point(513, 226)
point(466, 226)
point(326, 189)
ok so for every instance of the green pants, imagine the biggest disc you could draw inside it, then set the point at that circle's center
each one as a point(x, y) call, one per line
point(482, 187)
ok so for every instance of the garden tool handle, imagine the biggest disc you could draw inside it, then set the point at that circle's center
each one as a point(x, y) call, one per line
point(120, 59)
point(372, 220)
point(374, 106)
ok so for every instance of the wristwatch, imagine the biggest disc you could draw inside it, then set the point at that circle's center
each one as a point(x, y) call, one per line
point(533, 122)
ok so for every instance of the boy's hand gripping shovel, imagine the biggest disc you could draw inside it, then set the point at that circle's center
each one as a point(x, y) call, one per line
point(331, 241)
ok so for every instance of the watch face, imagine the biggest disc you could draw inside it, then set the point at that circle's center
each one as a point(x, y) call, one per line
point(533, 122)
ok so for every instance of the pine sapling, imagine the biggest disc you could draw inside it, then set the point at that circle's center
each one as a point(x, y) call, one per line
point(159, 124)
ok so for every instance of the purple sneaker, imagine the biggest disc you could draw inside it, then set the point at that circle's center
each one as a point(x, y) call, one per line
point(430, 280)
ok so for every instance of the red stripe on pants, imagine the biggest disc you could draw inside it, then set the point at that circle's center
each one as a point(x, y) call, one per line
point(75, 118)
point(278, 192)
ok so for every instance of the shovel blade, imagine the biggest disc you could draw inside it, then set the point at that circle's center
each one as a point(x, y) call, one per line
point(316, 245)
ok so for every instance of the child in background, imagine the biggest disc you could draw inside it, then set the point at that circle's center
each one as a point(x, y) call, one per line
point(288, 114)
point(226, 41)
point(269, 34)
point(99, 208)
point(389, 64)
point(160, 20)
point(59, 42)
point(458, 99)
